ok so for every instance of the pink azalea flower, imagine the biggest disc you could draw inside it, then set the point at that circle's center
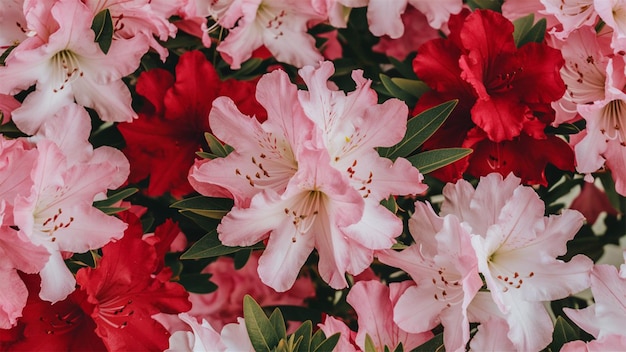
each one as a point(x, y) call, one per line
point(516, 247)
point(444, 267)
point(374, 304)
point(16, 253)
point(608, 315)
point(278, 25)
point(331, 326)
point(65, 63)
point(56, 211)
point(605, 141)
point(572, 14)
point(613, 13)
point(224, 305)
point(12, 23)
point(607, 343)
point(203, 337)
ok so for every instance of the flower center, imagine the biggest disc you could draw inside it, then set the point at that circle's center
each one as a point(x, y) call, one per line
point(65, 68)
point(584, 85)
point(447, 288)
point(304, 211)
point(52, 224)
point(116, 313)
point(612, 122)
point(271, 20)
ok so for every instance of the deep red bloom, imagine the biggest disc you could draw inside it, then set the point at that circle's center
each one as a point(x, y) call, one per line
point(125, 290)
point(503, 91)
point(62, 326)
point(162, 142)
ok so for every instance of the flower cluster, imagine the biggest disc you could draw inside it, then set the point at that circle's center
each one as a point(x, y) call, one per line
point(302, 175)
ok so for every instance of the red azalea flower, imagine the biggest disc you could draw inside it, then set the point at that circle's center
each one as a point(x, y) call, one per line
point(125, 290)
point(162, 142)
point(503, 91)
point(62, 326)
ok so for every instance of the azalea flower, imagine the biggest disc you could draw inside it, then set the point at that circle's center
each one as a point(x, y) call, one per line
point(516, 247)
point(572, 14)
point(278, 25)
point(125, 290)
point(444, 268)
point(66, 64)
point(373, 303)
point(203, 337)
point(224, 305)
point(500, 101)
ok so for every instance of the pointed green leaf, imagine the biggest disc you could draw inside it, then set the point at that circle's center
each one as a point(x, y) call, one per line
point(390, 203)
point(241, 258)
point(112, 210)
point(395, 90)
point(114, 197)
point(207, 224)
point(328, 344)
point(412, 86)
point(304, 331)
point(216, 146)
point(404, 67)
point(317, 339)
point(197, 283)
point(399, 348)
point(419, 129)
point(214, 208)
point(535, 34)
point(563, 333)
point(522, 27)
point(102, 26)
point(210, 246)
point(369, 344)
point(205, 155)
point(278, 322)
point(432, 160)
point(260, 329)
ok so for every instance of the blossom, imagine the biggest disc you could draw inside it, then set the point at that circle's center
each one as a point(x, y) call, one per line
point(499, 98)
point(162, 142)
point(125, 290)
point(605, 317)
point(224, 305)
point(66, 64)
point(516, 247)
point(278, 25)
point(444, 267)
point(203, 337)
point(572, 14)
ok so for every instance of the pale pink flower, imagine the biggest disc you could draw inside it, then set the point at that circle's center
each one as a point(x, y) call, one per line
point(65, 64)
point(613, 13)
point(572, 14)
point(374, 304)
point(133, 18)
point(56, 211)
point(584, 73)
point(224, 305)
point(608, 315)
point(491, 333)
point(522, 8)
point(12, 23)
point(7, 105)
point(606, 343)
point(516, 247)
point(605, 139)
point(16, 253)
point(443, 265)
point(331, 326)
point(279, 25)
point(203, 337)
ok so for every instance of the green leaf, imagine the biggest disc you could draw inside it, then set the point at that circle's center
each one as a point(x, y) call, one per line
point(214, 208)
point(522, 27)
point(419, 129)
point(317, 339)
point(396, 91)
point(412, 86)
point(210, 246)
point(399, 348)
point(405, 68)
point(207, 224)
point(433, 345)
point(112, 210)
point(369, 344)
point(432, 160)
point(205, 155)
point(328, 344)
point(563, 333)
point(260, 329)
point(278, 322)
point(102, 26)
point(390, 203)
point(216, 146)
point(247, 68)
point(241, 258)
point(197, 283)
point(304, 331)
point(115, 197)
point(535, 34)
